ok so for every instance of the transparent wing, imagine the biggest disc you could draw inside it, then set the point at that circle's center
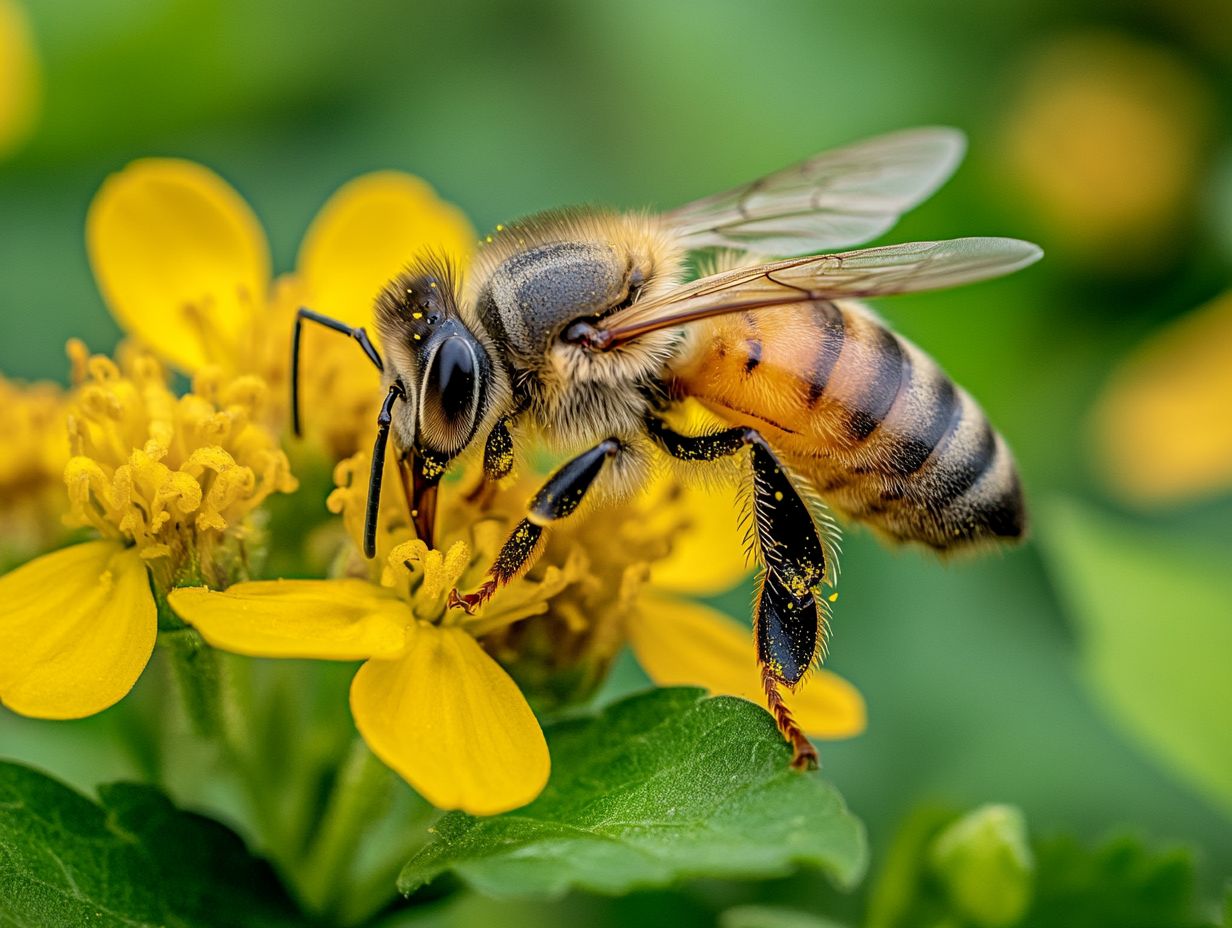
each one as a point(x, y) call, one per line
point(834, 200)
point(869, 272)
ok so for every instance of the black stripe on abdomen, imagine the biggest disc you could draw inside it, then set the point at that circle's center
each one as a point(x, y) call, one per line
point(831, 333)
point(958, 469)
point(891, 366)
point(911, 451)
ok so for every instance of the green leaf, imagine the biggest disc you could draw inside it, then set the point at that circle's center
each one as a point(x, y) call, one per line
point(1154, 613)
point(758, 916)
point(131, 860)
point(1120, 884)
point(660, 787)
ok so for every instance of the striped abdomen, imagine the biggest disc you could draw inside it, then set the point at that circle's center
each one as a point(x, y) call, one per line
point(869, 419)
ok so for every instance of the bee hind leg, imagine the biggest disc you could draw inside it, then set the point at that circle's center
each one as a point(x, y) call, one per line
point(789, 618)
point(557, 499)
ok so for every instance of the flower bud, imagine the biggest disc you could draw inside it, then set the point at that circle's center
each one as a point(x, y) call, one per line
point(985, 866)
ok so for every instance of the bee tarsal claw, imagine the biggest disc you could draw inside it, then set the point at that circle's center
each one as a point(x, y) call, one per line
point(471, 601)
point(804, 756)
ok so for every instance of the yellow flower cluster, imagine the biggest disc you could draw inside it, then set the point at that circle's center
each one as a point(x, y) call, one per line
point(1162, 430)
point(20, 80)
point(173, 484)
point(173, 476)
point(170, 484)
point(1105, 139)
point(435, 699)
point(31, 467)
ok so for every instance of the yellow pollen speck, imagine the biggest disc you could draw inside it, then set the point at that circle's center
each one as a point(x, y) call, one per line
point(416, 336)
point(499, 227)
point(432, 284)
point(778, 495)
point(833, 597)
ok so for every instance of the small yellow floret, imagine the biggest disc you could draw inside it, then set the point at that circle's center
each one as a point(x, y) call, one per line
point(173, 475)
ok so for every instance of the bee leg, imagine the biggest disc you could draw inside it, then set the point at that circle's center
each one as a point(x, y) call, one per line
point(790, 622)
point(557, 499)
point(358, 334)
point(498, 451)
point(497, 464)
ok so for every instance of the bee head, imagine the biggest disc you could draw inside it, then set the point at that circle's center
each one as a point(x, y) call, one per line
point(443, 368)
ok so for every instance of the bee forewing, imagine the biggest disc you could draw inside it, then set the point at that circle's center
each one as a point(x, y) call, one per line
point(869, 272)
point(836, 199)
point(907, 268)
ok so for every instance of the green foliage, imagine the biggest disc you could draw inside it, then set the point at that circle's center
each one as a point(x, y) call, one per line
point(1153, 614)
point(978, 871)
point(133, 859)
point(658, 788)
point(985, 866)
point(757, 916)
point(1119, 884)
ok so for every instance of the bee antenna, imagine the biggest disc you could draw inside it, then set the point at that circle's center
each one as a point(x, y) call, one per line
point(377, 475)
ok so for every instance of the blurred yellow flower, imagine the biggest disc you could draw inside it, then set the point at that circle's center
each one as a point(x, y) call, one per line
point(435, 699)
point(1106, 141)
point(184, 266)
point(20, 84)
point(31, 468)
point(1162, 425)
point(170, 484)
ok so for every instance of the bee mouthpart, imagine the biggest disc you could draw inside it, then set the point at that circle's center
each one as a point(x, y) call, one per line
point(588, 335)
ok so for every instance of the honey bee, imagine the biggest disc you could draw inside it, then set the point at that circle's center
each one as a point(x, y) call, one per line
point(581, 327)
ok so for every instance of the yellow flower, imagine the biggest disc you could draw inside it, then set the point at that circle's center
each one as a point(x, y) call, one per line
point(31, 468)
point(184, 266)
point(170, 484)
point(1106, 141)
point(435, 699)
point(20, 87)
point(428, 700)
point(1162, 429)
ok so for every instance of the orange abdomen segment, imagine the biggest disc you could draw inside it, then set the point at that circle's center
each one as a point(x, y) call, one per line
point(869, 419)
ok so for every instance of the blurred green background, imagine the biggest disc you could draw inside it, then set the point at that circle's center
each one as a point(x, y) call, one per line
point(1083, 677)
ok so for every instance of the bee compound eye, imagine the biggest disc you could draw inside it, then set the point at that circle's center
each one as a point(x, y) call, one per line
point(451, 380)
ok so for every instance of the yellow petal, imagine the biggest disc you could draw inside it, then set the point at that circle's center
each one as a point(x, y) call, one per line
point(708, 556)
point(180, 259)
point(19, 77)
point(683, 643)
point(1162, 424)
point(454, 725)
point(367, 232)
point(78, 628)
point(342, 620)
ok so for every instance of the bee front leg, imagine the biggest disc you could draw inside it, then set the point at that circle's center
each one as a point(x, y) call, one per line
point(498, 461)
point(789, 619)
point(557, 499)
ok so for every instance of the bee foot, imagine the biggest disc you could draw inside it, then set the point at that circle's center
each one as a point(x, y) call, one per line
point(804, 755)
point(471, 601)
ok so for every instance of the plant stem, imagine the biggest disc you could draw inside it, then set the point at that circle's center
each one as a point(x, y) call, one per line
point(359, 796)
point(198, 678)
